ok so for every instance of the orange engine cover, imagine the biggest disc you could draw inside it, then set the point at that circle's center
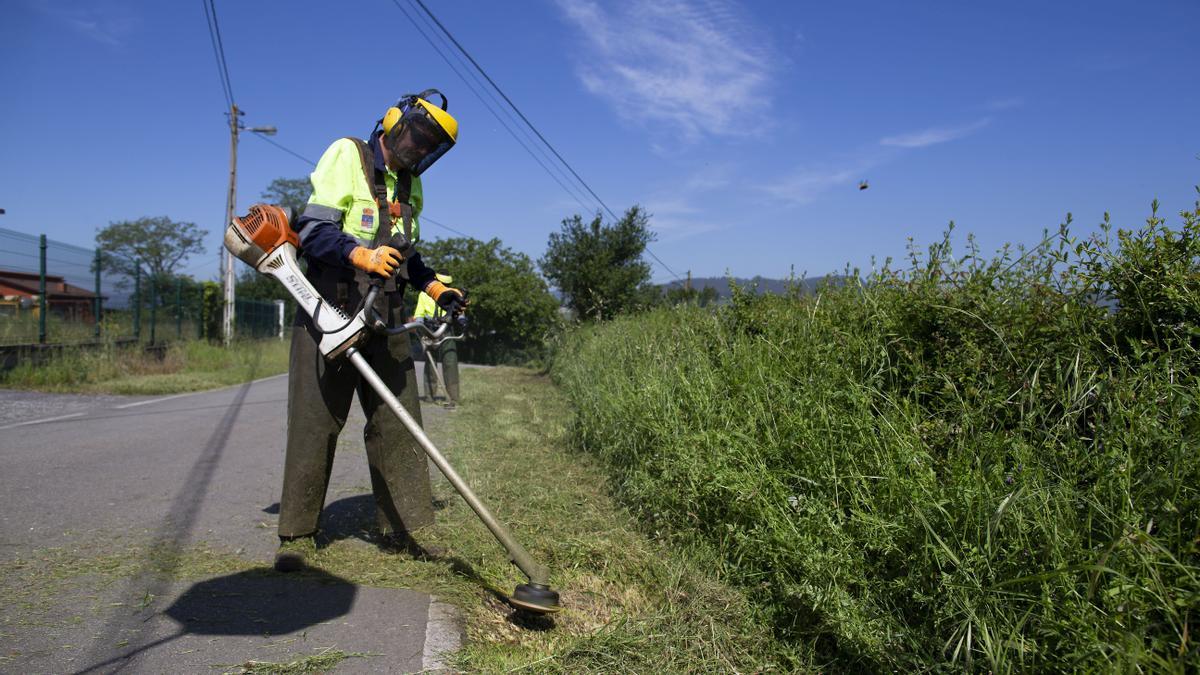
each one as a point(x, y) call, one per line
point(267, 226)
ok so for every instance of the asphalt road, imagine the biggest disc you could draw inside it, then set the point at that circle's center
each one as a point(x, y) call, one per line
point(88, 472)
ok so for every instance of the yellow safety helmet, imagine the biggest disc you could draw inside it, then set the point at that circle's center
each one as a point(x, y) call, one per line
point(417, 132)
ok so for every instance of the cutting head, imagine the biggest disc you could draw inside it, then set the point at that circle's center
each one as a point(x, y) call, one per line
point(535, 598)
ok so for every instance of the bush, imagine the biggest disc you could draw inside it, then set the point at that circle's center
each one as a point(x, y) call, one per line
point(980, 463)
point(599, 267)
point(511, 311)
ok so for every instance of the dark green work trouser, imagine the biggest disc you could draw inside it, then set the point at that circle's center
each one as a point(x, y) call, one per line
point(319, 396)
point(432, 358)
point(446, 356)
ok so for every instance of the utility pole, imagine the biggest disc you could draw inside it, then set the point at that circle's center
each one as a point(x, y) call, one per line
point(227, 270)
point(230, 205)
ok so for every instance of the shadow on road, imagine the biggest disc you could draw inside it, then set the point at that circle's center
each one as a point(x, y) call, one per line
point(254, 603)
point(262, 602)
point(172, 533)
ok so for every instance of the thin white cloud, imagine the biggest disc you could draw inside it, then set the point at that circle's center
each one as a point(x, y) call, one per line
point(806, 184)
point(1004, 103)
point(108, 23)
point(686, 209)
point(692, 67)
point(927, 137)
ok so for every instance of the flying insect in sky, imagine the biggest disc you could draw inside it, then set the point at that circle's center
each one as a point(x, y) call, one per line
point(862, 185)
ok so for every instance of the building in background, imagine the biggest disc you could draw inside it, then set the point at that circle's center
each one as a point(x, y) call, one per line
point(19, 294)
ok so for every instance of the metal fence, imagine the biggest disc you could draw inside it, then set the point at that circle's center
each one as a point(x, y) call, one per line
point(53, 292)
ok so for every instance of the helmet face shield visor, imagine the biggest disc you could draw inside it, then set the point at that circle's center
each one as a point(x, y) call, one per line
point(417, 141)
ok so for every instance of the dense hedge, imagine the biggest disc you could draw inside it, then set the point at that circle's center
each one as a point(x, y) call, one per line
point(987, 463)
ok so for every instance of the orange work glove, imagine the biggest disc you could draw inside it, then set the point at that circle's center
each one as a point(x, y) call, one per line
point(452, 300)
point(383, 261)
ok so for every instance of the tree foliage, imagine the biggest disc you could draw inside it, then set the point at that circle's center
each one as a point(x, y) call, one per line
point(160, 245)
point(598, 267)
point(289, 193)
point(690, 295)
point(511, 309)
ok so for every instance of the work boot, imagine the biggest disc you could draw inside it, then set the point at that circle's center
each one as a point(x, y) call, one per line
point(292, 553)
point(402, 542)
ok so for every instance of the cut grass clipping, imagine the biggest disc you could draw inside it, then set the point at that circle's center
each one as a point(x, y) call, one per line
point(629, 602)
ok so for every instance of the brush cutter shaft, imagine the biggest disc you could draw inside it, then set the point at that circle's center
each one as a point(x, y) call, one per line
point(520, 557)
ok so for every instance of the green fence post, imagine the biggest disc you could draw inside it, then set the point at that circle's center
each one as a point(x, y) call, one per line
point(137, 300)
point(99, 308)
point(42, 305)
point(179, 308)
point(153, 307)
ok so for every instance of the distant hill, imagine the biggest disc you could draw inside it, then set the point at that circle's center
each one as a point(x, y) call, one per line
point(763, 284)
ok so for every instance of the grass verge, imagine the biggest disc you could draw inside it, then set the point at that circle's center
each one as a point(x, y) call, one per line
point(969, 463)
point(181, 367)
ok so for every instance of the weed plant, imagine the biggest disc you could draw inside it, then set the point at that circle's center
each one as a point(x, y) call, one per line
point(968, 462)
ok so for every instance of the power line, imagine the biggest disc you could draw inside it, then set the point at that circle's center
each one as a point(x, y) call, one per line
point(530, 124)
point(214, 36)
point(572, 190)
point(441, 53)
point(431, 221)
point(514, 107)
point(289, 151)
point(302, 157)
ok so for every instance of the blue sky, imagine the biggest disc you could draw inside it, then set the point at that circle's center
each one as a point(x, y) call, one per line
point(743, 127)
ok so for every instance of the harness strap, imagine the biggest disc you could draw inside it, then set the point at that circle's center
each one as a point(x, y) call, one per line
point(383, 232)
point(377, 179)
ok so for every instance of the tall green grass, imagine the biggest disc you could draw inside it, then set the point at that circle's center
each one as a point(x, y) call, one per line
point(190, 365)
point(970, 462)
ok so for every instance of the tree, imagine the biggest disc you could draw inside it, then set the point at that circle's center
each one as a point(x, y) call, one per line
point(289, 193)
point(158, 244)
point(511, 310)
point(681, 295)
point(599, 268)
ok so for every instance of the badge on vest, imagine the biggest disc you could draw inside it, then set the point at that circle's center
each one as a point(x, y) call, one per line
point(368, 219)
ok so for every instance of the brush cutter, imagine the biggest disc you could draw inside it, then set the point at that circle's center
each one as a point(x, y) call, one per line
point(264, 240)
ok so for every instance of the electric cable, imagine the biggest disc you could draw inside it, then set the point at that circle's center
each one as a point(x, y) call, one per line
point(446, 47)
point(441, 53)
point(531, 126)
point(514, 107)
point(431, 221)
point(289, 151)
point(302, 157)
point(214, 36)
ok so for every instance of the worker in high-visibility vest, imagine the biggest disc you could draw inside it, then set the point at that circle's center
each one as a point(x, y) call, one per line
point(363, 193)
point(428, 308)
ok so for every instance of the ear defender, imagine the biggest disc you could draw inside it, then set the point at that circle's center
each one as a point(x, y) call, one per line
point(390, 118)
